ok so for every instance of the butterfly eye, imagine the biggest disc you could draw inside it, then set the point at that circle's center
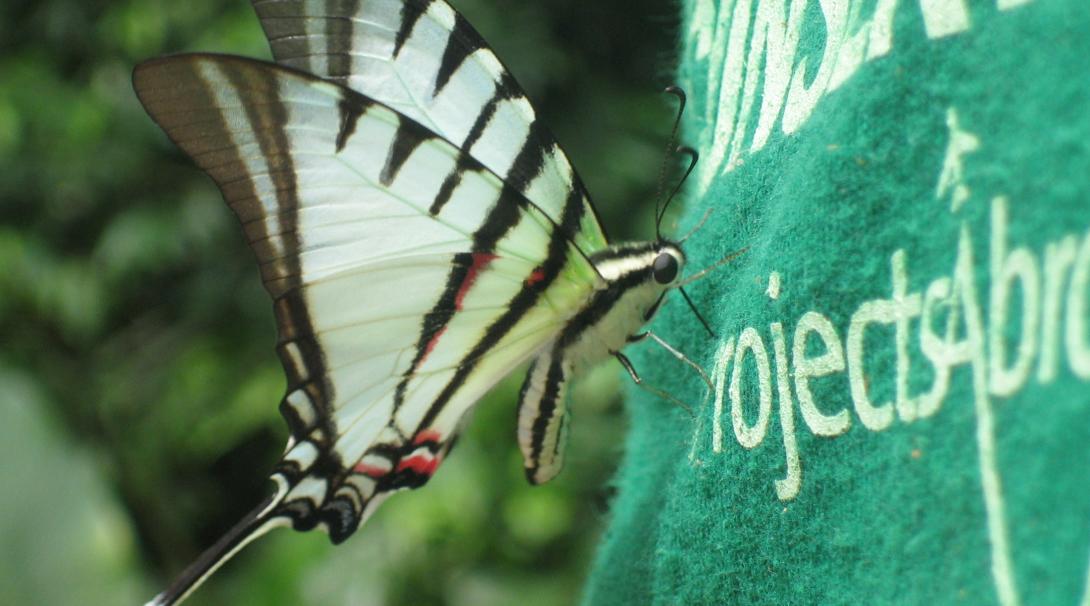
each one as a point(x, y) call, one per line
point(665, 268)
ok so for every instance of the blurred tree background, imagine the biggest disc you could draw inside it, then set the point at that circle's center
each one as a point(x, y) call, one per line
point(139, 385)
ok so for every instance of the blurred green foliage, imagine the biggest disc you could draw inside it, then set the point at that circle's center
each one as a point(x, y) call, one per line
point(139, 384)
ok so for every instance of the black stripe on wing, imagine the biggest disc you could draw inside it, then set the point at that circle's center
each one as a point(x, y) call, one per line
point(411, 11)
point(455, 176)
point(204, 135)
point(352, 107)
point(463, 42)
point(341, 40)
point(339, 32)
point(503, 217)
point(559, 251)
point(409, 136)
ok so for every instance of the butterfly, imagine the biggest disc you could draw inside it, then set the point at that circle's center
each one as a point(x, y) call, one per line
point(421, 234)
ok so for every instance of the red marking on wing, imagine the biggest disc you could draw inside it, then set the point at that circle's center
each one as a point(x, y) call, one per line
point(421, 464)
point(535, 276)
point(480, 262)
point(430, 346)
point(370, 470)
point(427, 435)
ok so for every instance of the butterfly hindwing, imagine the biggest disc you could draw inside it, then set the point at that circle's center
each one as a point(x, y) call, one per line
point(543, 416)
point(425, 60)
point(394, 317)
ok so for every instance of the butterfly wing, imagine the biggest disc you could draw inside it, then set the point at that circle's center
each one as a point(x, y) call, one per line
point(543, 416)
point(394, 316)
point(425, 60)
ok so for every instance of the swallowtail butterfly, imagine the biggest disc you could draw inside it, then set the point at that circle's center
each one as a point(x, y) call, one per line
point(421, 234)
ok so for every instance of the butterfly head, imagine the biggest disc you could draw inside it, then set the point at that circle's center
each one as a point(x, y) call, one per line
point(654, 266)
point(666, 273)
point(667, 265)
point(645, 272)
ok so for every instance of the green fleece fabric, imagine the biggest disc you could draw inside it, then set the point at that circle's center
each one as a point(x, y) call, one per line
point(901, 402)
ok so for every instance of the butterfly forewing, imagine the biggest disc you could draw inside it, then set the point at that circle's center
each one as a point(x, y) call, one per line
point(394, 317)
point(426, 61)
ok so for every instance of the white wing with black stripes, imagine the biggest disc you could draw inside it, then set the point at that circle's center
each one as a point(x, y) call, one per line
point(424, 60)
point(395, 316)
point(421, 235)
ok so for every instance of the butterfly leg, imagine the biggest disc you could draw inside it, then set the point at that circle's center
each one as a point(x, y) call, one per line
point(636, 338)
point(627, 364)
point(680, 356)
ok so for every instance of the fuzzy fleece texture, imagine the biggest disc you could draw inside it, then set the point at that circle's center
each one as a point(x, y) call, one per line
point(901, 411)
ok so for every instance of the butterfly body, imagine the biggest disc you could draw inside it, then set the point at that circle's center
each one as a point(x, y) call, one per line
point(627, 299)
point(421, 235)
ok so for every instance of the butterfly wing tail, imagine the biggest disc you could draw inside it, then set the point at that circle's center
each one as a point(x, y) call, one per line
point(256, 523)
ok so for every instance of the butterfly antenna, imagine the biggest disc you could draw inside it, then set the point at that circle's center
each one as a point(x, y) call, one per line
point(704, 272)
point(696, 313)
point(659, 206)
point(703, 220)
point(693, 159)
